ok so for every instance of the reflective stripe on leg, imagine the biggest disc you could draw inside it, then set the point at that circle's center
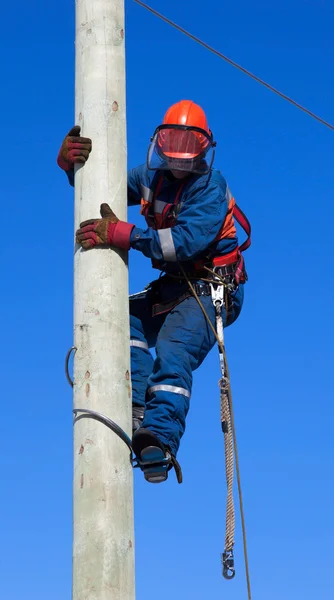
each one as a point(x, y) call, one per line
point(138, 344)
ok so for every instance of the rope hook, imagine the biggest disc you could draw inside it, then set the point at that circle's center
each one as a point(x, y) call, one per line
point(228, 564)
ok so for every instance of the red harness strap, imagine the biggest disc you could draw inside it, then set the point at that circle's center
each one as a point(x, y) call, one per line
point(159, 221)
point(167, 217)
point(164, 219)
point(235, 257)
point(245, 224)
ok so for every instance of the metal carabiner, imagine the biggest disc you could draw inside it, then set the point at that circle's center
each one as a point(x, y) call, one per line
point(217, 295)
point(228, 564)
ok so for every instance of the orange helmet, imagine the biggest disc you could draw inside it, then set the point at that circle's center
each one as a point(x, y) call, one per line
point(190, 143)
point(188, 113)
point(184, 141)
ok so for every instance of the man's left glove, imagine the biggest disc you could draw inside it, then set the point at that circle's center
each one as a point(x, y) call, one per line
point(108, 231)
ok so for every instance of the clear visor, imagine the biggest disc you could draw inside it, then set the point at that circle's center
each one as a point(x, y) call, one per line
point(181, 148)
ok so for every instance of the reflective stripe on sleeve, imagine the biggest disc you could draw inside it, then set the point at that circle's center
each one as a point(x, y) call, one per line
point(228, 195)
point(169, 388)
point(146, 193)
point(167, 244)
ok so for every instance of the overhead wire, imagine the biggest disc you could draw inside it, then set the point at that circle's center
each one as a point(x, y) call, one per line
point(235, 64)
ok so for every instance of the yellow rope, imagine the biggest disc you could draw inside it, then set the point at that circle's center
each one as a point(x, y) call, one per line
point(237, 466)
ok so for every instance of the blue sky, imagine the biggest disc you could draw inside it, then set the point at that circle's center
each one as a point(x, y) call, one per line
point(279, 165)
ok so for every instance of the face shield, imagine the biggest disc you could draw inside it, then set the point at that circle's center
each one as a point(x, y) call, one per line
point(181, 148)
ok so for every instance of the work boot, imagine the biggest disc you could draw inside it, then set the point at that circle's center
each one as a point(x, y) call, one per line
point(137, 417)
point(154, 458)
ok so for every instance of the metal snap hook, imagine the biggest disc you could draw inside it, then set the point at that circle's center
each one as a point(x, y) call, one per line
point(228, 565)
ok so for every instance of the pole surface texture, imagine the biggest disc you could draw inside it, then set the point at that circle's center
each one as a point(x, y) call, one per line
point(103, 530)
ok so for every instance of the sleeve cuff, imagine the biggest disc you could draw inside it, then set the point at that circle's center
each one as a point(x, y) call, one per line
point(122, 234)
point(70, 176)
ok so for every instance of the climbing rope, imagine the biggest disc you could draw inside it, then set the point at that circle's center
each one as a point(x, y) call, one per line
point(227, 390)
point(219, 298)
point(228, 559)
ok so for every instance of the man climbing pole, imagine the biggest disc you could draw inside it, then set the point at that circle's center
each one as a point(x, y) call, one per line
point(190, 236)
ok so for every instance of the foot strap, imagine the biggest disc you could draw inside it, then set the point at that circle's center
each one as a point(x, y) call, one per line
point(155, 464)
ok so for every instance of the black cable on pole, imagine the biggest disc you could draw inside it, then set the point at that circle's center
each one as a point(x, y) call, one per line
point(236, 65)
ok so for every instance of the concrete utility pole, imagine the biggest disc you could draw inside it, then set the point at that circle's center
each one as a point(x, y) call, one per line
point(103, 547)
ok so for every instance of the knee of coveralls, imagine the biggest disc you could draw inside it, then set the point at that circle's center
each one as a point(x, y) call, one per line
point(141, 358)
point(182, 344)
point(143, 334)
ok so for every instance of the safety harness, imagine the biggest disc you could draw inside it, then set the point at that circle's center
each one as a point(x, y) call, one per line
point(231, 265)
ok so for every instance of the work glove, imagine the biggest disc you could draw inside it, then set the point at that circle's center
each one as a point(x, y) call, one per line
point(74, 150)
point(108, 231)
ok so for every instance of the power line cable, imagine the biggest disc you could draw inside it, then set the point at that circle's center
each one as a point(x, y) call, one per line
point(236, 65)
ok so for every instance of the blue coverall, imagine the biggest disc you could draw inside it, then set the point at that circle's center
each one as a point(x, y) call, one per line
point(183, 233)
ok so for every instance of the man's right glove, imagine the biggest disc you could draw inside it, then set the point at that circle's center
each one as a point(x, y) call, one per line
point(108, 230)
point(74, 150)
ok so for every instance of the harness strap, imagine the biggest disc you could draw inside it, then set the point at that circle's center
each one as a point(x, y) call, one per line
point(245, 224)
point(157, 190)
point(234, 258)
point(146, 204)
point(178, 193)
point(240, 272)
